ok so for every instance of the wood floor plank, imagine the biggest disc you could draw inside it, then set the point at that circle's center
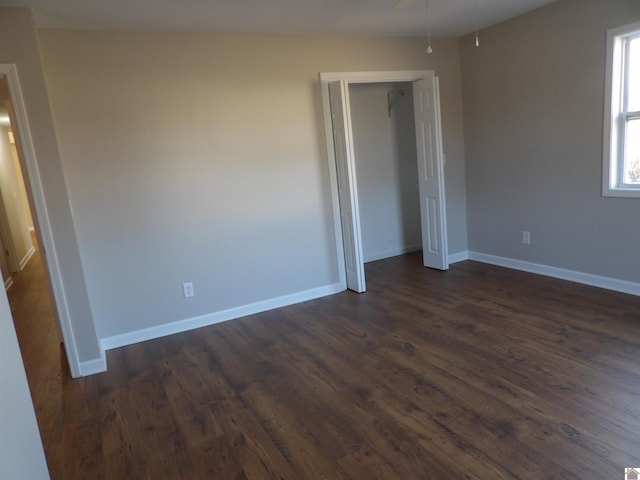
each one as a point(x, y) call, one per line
point(82, 450)
point(252, 446)
point(297, 432)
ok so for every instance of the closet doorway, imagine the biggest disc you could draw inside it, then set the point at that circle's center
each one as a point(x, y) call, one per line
point(344, 172)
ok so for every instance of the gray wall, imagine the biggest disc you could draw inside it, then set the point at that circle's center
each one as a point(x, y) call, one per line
point(387, 171)
point(533, 99)
point(203, 158)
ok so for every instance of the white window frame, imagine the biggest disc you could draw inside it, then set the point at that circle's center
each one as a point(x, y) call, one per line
point(615, 114)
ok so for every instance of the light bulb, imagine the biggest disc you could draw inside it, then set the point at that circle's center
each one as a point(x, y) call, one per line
point(429, 49)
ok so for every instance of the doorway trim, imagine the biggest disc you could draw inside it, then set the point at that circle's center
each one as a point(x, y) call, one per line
point(349, 78)
point(41, 218)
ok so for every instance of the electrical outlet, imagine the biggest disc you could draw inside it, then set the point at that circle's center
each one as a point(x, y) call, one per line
point(526, 237)
point(187, 290)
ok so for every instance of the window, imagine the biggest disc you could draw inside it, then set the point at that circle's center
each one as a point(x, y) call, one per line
point(621, 173)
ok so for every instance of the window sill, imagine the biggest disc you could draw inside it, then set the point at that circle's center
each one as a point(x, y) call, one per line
point(621, 192)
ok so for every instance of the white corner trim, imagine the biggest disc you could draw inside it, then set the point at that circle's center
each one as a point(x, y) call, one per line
point(97, 365)
point(27, 257)
point(180, 326)
point(608, 283)
point(459, 256)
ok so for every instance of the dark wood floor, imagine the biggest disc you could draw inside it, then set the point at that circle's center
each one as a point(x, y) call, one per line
point(479, 372)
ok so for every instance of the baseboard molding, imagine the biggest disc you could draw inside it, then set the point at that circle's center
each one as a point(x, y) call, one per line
point(393, 253)
point(458, 257)
point(91, 367)
point(130, 338)
point(608, 283)
point(180, 326)
point(27, 257)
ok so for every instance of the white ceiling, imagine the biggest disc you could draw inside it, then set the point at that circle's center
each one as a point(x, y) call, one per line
point(351, 17)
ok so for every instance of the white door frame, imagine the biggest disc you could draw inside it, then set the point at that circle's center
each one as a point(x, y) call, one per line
point(352, 77)
point(342, 135)
point(41, 218)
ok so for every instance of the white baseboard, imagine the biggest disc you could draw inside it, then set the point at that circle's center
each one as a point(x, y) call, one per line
point(608, 283)
point(91, 367)
point(393, 253)
point(458, 257)
point(27, 257)
point(180, 326)
point(129, 338)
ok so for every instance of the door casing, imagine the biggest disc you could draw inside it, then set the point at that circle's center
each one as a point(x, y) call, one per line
point(355, 77)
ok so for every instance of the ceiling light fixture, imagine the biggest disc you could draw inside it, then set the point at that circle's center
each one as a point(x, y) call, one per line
point(429, 49)
point(429, 21)
point(477, 37)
